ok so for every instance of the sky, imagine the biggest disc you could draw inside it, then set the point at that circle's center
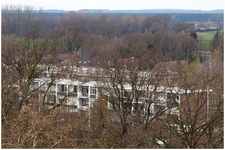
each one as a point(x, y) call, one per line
point(120, 4)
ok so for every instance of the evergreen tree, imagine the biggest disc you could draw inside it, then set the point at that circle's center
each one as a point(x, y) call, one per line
point(216, 40)
point(194, 34)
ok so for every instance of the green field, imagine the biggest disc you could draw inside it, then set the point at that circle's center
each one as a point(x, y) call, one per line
point(205, 39)
point(206, 35)
point(205, 44)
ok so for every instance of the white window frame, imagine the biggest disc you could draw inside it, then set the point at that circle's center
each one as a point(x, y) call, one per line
point(93, 90)
point(84, 90)
point(64, 88)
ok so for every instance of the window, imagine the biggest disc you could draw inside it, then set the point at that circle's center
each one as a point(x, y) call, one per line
point(93, 90)
point(171, 100)
point(171, 96)
point(128, 105)
point(45, 75)
point(84, 70)
point(75, 89)
point(160, 95)
point(83, 102)
point(61, 88)
point(171, 103)
point(84, 91)
point(126, 94)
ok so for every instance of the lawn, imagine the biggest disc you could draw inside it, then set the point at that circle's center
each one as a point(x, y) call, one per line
point(205, 44)
point(206, 35)
point(205, 39)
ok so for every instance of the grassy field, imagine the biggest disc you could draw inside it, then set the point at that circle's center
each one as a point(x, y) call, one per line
point(205, 45)
point(206, 35)
point(205, 39)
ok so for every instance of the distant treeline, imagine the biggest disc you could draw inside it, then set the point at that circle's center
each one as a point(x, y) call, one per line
point(178, 14)
point(187, 17)
point(91, 33)
point(141, 11)
point(200, 17)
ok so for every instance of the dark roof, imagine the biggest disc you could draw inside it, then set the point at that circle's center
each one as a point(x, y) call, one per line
point(85, 61)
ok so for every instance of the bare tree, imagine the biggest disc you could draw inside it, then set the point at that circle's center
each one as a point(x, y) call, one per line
point(182, 26)
point(20, 66)
point(129, 88)
point(74, 38)
point(195, 126)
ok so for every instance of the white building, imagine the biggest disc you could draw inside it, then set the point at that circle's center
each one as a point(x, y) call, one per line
point(81, 96)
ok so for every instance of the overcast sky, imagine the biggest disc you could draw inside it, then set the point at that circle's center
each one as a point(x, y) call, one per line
point(120, 4)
